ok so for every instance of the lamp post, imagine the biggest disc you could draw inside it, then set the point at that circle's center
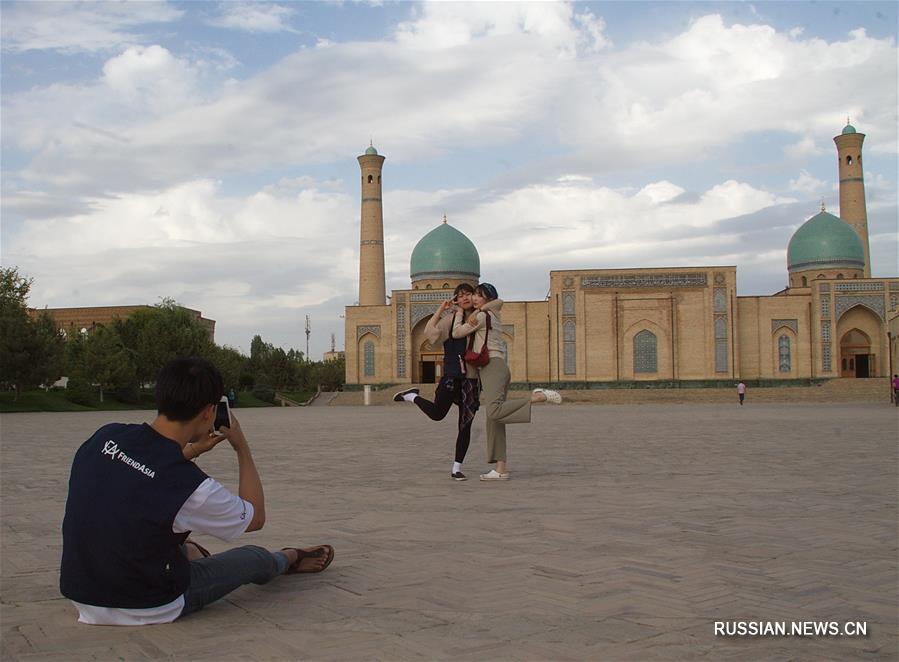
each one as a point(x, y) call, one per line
point(308, 331)
point(893, 394)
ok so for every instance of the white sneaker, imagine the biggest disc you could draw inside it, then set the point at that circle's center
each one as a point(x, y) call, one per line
point(493, 474)
point(551, 396)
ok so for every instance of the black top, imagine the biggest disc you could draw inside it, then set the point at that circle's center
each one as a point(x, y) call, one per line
point(127, 484)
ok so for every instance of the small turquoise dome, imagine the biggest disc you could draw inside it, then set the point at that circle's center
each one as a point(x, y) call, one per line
point(371, 150)
point(825, 241)
point(848, 129)
point(445, 253)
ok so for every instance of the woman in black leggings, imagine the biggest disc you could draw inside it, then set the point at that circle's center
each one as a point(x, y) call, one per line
point(459, 383)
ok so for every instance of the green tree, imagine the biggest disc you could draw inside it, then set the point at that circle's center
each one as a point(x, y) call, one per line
point(154, 336)
point(331, 375)
point(231, 363)
point(106, 361)
point(30, 350)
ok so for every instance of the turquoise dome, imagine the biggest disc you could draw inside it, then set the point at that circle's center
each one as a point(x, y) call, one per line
point(825, 241)
point(371, 150)
point(445, 253)
point(848, 129)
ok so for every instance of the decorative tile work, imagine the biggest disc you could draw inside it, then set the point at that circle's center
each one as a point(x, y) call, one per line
point(825, 306)
point(720, 343)
point(894, 301)
point(790, 324)
point(401, 340)
point(568, 354)
point(568, 282)
point(431, 295)
point(858, 287)
point(894, 287)
point(374, 329)
point(783, 353)
point(569, 337)
point(420, 311)
point(826, 363)
point(720, 300)
point(568, 303)
point(631, 281)
point(719, 278)
point(824, 287)
point(369, 355)
point(645, 352)
point(872, 301)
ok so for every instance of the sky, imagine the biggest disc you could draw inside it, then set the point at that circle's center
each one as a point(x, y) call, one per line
point(206, 151)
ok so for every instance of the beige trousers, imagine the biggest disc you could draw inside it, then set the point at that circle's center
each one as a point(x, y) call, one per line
point(495, 378)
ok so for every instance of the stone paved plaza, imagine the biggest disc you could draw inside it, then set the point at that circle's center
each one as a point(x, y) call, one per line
point(624, 534)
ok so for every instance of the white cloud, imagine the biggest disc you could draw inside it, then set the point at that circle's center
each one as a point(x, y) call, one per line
point(79, 26)
point(806, 183)
point(254, 17)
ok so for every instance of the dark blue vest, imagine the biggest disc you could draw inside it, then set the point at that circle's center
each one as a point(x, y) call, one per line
point(453, 353)
point(127, 484)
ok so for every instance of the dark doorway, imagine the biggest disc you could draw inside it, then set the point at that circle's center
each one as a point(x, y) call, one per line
point(861, 365)
point(428, 372)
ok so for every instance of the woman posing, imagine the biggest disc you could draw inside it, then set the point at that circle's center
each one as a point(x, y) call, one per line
point(495, 378)
point(459, 382)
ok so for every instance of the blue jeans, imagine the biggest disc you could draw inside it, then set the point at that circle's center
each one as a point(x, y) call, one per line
point(216, 576)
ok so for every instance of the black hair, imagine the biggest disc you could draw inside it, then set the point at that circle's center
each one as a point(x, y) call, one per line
point(463, 287)
point(185, 386)
point(487, 291)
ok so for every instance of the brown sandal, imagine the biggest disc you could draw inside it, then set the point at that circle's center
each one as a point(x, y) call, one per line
point(317, 552)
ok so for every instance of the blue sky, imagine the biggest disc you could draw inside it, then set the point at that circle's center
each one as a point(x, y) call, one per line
point(207, 151)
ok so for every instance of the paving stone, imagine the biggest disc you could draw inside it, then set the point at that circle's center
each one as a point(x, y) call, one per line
point(625, 532)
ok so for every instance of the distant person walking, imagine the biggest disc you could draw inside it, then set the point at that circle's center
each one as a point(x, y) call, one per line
point(896, 390)
point(459, 383)
point(741, 392)
point(495, 378)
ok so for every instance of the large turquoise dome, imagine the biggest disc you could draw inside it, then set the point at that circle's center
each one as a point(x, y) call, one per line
point(445, 253)
point(825, 241)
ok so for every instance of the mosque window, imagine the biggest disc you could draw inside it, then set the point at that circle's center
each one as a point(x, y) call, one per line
point(819, 276)
point(369, 353)
point(428, 286)
point(645, 352)
point(783, 353)
point(370, 179)
point(379, 179)
point(804, 281)
point(446, 286)
point(848, 160)
point(839, 276)
point(859, 159)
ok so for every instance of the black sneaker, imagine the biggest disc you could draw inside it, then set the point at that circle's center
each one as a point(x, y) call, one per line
point(398, 397)
point(458, 476)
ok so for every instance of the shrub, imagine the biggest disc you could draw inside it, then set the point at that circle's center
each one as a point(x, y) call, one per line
point(264, 392)
point(81, 392)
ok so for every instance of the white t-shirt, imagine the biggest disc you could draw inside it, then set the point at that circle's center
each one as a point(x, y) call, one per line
point(211, 509)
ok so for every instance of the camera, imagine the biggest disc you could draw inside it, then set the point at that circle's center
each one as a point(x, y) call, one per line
point(222, 414)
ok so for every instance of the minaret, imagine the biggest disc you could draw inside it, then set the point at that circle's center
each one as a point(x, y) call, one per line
point(852, 186)
point(372, 289)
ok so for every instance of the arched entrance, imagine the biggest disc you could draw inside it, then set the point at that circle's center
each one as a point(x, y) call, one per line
point(856, 359)
point(427, 359)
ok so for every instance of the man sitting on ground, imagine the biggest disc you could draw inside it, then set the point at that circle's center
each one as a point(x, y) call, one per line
point(135, 495)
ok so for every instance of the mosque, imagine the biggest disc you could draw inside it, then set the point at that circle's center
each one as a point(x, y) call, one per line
point(669, 325)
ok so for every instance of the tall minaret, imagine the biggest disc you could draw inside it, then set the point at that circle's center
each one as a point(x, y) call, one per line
point(372, 289)
point(852, 186)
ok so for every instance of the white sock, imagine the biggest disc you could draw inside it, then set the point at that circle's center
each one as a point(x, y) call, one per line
point(410, 397)
point(457, 467)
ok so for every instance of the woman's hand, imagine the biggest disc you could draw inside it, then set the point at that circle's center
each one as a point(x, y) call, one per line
point(473, 319)
point(445, 305)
